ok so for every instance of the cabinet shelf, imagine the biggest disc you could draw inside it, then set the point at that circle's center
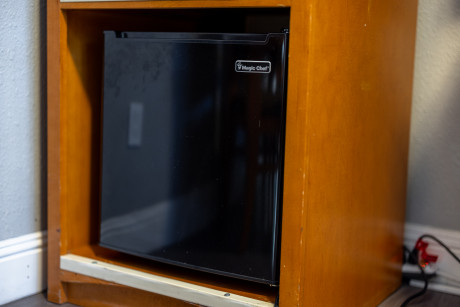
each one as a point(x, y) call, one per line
point(188, 279)
point(347, 128)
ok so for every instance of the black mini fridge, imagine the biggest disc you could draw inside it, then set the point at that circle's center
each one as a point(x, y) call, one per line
point(193, 149)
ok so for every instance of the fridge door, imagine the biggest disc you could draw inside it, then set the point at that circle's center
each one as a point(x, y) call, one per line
point(192, 149)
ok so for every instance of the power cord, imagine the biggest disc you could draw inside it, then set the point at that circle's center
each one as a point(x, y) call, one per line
point(413, 257)
point(422, 271)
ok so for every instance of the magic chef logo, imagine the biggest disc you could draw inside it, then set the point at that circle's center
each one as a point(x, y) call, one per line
point(258, 67)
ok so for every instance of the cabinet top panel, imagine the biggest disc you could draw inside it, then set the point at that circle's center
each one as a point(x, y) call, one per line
point(121, 4)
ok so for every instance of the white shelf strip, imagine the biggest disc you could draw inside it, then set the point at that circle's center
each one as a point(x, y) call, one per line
point(156, 284)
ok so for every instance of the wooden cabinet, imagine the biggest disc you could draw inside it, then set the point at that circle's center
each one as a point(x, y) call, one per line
point(348, 111)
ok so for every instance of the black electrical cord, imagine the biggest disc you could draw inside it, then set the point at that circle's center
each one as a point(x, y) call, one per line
point(416, 261)
point(425, 279)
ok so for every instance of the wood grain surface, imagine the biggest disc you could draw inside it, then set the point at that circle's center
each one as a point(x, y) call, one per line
point(175, 4)
point(55, 35)
point(348, 110)
point(346, 152)
point(88, 291)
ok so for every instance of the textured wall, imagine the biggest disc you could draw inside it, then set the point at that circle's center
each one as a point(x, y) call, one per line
point(434, 171)
point(22, 98)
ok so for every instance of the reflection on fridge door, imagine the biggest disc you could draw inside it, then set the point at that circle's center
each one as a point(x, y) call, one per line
point(193, 150)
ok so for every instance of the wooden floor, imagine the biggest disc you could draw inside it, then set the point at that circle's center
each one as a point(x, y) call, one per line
point(37, 300)
point(431, 298)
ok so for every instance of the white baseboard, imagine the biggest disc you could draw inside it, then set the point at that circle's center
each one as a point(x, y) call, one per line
point(448, 273)
point(22, 266)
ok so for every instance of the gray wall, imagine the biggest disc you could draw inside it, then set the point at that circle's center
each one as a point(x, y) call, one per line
point(434, 166)
point(22, 102)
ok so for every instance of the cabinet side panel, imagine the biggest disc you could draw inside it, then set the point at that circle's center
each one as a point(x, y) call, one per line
point(83, 65)
point(55, 29)
point(358, 90)
point(296, 162)
point(361, 68)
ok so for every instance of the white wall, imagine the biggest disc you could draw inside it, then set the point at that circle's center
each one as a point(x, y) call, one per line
point(434, 162)
point(22, 113)
point(22, 148)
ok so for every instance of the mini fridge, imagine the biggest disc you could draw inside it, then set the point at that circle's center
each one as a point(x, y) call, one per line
point(193, 149)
